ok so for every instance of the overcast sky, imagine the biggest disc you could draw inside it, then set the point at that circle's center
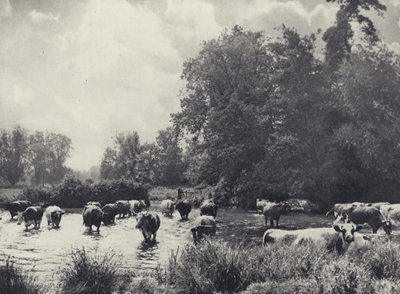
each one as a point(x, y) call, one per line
point(90, 69)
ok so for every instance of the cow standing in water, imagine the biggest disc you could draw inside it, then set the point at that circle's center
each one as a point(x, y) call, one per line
point(184, 208)
point(273, 211)
point(53, 215)
point(17, 206)
point(92, 216)
point(31, 216)
point(148, 223)
point(204, 226)
point(167, 207)
point(208, 207)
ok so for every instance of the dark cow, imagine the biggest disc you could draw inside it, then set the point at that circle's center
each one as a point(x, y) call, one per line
point(167, 207)
point(208, 207)
point(370, 215)
point(123, 207)
point(109, 212)
point(273, 211)
point(184, 208)
point(92, 216)
point(17, 206)
point(148, 223)
point(31, 216)
point(53, 215)
point(204, 226)
point(349, 237)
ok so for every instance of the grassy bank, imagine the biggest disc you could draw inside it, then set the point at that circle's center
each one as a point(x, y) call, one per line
point(216, 267)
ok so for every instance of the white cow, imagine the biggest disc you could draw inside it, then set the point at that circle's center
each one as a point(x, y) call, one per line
point(53, 215)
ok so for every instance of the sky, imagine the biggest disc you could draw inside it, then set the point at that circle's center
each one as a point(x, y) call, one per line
point(90, 69)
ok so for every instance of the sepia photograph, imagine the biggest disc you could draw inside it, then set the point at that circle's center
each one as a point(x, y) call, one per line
point(199, 146)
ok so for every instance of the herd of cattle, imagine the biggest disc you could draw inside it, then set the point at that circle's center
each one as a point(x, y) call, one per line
point(349, 218)
point(94, 214)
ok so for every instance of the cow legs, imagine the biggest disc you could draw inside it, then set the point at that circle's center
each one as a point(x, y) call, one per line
point(154, 237)
point(277, 222)
point(145, 237)
point(272, 222)
point(98, 229)
point(90, 228)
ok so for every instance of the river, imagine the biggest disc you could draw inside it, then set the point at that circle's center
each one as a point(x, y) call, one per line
point(47, 250)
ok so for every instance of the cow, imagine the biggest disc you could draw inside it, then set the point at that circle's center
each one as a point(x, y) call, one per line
point(148, 223)
point(92, 216)
point(378, 205)
point(109, 212)
point(137, 206)
point(123, 208)
point(208, 207)
point(204, 226)
point(347, 233)
point(17, 206)
point(31, 216)
point(260, 204)
point(392, 213)
point(273, 211)
point(53, 215)
point(340, 209)
point(370, 215)
point(167, 207)
point(184, 208)
point(94, 203)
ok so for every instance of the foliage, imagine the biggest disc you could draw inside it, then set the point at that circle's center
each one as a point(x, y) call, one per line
point(13, 280)
point(13, 154)
point(72, 193)
point(90, 273)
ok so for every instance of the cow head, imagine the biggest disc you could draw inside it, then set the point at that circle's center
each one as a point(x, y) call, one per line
point(56, 217)
point(347, 231)
point(387, 226)
point(20, 218)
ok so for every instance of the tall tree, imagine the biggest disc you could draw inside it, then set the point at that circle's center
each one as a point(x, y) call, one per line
point(13, 154)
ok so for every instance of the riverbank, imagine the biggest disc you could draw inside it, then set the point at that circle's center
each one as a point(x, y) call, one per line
point(215, 266)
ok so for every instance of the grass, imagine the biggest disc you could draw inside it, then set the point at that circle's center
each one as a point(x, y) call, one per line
point(90, 273)
point(215, 266)
point(14, 280)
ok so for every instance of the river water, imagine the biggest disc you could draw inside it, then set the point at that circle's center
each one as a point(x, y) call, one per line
point(47, 250)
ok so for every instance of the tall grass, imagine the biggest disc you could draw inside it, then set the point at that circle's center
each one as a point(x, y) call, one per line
point(90, 273)
point(309, 267)
point(13, 280)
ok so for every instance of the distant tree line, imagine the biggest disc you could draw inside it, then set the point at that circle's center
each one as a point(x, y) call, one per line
point(159, 163)
point(38, 155)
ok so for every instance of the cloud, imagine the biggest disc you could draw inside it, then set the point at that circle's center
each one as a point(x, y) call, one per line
point(38, 16)
point(5, 9)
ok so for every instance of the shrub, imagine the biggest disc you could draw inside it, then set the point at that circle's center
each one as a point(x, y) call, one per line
point(148, 285)
point(383, 261)
point(282, 261)
point(13, 280)
point(211, 267)
point(344, 277)
point(90, 274)
point(386, 286)
point(72, 193)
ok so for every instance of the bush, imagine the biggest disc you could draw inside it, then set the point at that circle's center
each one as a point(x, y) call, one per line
point(386, 286)
point(90, 274)
point(384, 261)
point(13, 280)
point(148, 285)
point(344, 277)
point(210, 267)
point(71, 193)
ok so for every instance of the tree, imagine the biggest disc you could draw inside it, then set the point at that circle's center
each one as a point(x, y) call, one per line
point(13, 154)
point(47, 155)
point(122, 160)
